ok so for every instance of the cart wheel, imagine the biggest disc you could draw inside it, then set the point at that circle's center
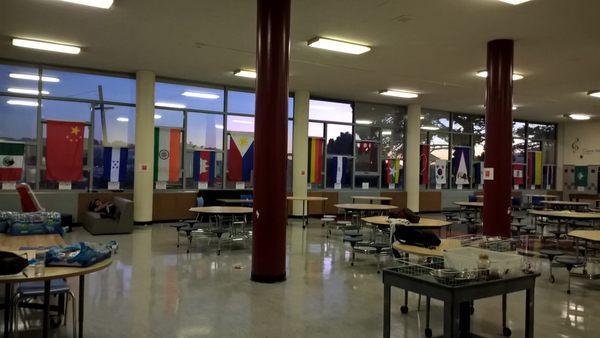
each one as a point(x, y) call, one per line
point(506, 332)
point(552, 280)
point(351, 263)
point(404, 309)
point(568, 292)
point(378, 271)
point(428, 333)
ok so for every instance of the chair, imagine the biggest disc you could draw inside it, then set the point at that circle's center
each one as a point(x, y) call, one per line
point(122, 223)
point(29, 203)
point(31, 290)
point(570, 262)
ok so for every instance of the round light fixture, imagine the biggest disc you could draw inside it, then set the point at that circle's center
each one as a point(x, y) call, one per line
point(122, 119)
point(364, 122)
point(430, 128)
point(579, 117)
point(484, 74)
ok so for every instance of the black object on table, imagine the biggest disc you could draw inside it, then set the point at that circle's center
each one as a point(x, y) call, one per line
point(457, 299)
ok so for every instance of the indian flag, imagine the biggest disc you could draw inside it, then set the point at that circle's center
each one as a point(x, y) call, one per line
point(11, 161)
point(167, 154)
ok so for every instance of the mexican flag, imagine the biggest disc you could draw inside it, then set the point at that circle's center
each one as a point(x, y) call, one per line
point(167, 154)
point(11, 161)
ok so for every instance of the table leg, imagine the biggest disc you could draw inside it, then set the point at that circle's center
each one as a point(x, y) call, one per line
point(465, 319)
point(81, 303)
point(529, 309)
point(451, 320)
point(46, 319)
point(386, 310)
point(304, 215)
point(7, 308)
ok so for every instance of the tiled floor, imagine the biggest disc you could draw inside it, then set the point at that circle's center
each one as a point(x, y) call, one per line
point(154, 289)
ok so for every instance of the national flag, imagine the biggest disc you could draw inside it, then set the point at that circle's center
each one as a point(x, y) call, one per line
point(581, 176)
point(478, 172)
point(115, 164)
point(11, 161)
point(240, 161)
point(460, 165)
point(64, 151)
point(440, 172)
point(167, 154)
point(337, 170)
point(424, 172)
point(549, 175)
point(534, 168)
point(517, 169)
point(315, 158)
point(204, 164)
point(392, 171)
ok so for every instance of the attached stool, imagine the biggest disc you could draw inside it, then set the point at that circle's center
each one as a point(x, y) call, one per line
point(570, 262)
point(551, 254)
point(353, 239)
point(178, 227)
point(378, 250)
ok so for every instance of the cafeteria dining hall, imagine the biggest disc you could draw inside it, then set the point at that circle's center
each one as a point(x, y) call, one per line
point(299, 168)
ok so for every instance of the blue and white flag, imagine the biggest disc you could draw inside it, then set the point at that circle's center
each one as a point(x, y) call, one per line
point(337, 170)
point(115, 164)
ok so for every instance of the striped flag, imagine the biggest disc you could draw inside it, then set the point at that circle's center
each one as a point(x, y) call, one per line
point(315, 158)
point(518, 173)
point(115, 164)
point(478, 172)
point(204, 163)
point(337, 170)
point(167, 154)
point(534, 167)
point(549, 175)
point(240, 161)
point(392, 173)
point(11, 161)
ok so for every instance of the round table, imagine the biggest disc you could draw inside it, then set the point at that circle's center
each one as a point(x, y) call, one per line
point(243, 201)
point(470, 205)
point(13, 243)
point(219, 211)
point(371, 198)
point(365, 207)
point(565, 215)
point(305, 200)
point(423, 222)
point(560, 205)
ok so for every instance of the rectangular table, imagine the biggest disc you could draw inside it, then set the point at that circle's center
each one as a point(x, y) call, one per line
point(457, 299)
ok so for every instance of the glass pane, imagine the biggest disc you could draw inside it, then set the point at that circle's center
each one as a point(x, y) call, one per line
point(479, 146)
point(339, 139)
point(66, 111)
point(20, 79)
point(290, 136)
point(315, 129)
point(462, 123)
point(518, 150)
point(204, 131)
point(436, 119)
point(240, 102)
point(193, 97)
point(371, 180)
point(519, 129)
point(479, 125)
point(240, 123)
point(379, 114)
point(19, 125)
point(366, 156)
point(211, 173)
point(461, 140)
point(85, 86)
point(541, 131)
point(366, 133)
point(549, 152)
point(168, 118)
point(330, 111)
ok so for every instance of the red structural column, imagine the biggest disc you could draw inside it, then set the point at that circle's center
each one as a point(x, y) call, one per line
point(498, 138)
point(270, 141)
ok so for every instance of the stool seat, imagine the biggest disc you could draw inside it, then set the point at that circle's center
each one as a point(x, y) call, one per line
point(31, 289)
point(325, 219)
point(551, 253)
point(178, 226)
point(365, 250)
point(352, 239)
point(570, 260)
point(379, 246)
point(344, 222)
point(329, 216)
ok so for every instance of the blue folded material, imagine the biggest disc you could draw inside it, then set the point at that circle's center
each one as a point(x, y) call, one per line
point(31, 223)
point(82, 254)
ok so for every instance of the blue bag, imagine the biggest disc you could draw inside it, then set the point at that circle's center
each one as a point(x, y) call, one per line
point(79, 255)
point(34, 223)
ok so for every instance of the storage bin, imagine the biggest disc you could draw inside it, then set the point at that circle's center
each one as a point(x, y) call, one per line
point(506, 264)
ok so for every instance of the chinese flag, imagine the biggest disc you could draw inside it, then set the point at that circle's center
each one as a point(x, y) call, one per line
point(64, 151)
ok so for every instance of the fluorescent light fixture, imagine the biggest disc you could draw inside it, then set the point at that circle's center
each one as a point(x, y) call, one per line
point(579, 117)
point(399, 93)
point(157, 116)
point(170, 105)
point(219, 126)
point(122, 119)
point(93, 3)
point(200, 95)
point(364, 122)
point(514, 2)
point(47, 46)
point(514, 107)
point(28, 103)
point(594, 93)
point(429, 128)
point(251, 74)
point(386, 132)
point(421, 117)
point(33, 77)
point(242, 121)
point(484, 74)
point(338, 46)
point(26, 91)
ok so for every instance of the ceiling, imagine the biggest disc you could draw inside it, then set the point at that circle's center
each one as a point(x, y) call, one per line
point(430, 46)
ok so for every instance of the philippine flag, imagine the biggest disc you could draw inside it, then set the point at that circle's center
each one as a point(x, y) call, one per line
point(115, 164)
point(240, 161)
point(204, 166)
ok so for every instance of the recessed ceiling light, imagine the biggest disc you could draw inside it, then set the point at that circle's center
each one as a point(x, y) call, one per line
point(399, 93)
point(93, 3)
point(23, 103)
point(514, 107)
point(514, 2)
point(594, 93)
point(484, 74)
point(364, 122)
point(170, 105)
point(219, 126)
point(33, 77)
point(122, 119)
point(430, 128)
point(26, 91)
point(47, 46)
point(386, 132)
point(251, 74)
point(338, 46)
point(579, 117)
point(201, 95)
point(157, 116)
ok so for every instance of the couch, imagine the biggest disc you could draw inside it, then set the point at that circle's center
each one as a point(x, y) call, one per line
point(122, 223)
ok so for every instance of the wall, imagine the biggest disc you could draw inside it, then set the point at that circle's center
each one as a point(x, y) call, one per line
point(581, 143)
